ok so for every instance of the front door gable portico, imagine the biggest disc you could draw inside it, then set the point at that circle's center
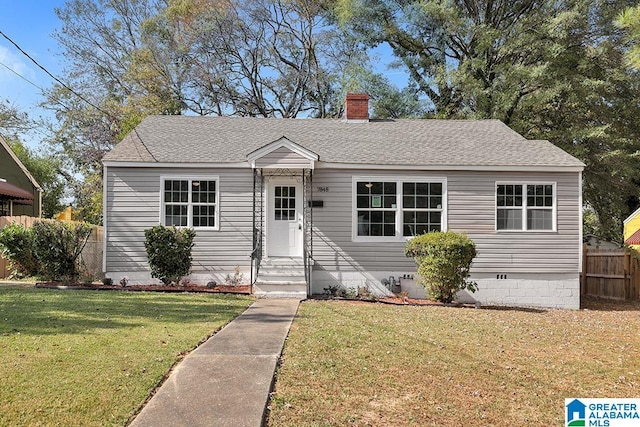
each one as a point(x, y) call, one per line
point(282, 154)
point(281, 165)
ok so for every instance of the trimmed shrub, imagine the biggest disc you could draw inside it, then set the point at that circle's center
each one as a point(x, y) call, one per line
point(443, 260)
point(16, 243)
point(57, 246)
point(169, 252)
point(49, 249)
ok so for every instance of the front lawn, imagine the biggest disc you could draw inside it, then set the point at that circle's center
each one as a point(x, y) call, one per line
point(349, 363)
point(81, 358)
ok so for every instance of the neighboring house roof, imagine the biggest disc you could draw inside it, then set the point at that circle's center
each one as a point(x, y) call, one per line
point(634, 239)
point(633, 215)
point(189, 139)
point(595, 241)
point(19, 163)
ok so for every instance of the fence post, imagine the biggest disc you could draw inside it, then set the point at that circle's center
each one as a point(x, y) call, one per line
point(583, 273)
point(627, 274)
point(635, 277)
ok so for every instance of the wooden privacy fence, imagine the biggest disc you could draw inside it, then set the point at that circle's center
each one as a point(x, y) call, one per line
point(612, 273)
point(91, 254)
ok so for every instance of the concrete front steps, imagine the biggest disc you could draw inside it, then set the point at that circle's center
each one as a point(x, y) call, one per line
point(281, 277)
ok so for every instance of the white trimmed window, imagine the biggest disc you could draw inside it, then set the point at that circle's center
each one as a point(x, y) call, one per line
point(190, 202)
point(392, 209)
point(525, 207)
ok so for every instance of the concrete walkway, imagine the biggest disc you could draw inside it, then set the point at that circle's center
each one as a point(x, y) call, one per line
point(226, 381)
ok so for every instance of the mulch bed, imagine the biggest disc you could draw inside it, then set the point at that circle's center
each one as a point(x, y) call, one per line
point(241, 289)
point(415, 301)
point(587, 303)
point(395, 301)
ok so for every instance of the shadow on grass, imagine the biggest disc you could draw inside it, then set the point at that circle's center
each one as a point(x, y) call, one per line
point(45, 312)
point(518, 309)
point(603, 304)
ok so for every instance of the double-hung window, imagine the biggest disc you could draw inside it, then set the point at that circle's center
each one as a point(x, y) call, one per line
point(422, 207)
point(377, 206)
point(190, 202)
point(525, 207)
point(392, 209)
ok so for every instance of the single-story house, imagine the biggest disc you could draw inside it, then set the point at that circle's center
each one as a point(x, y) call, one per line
point(20, 193)
point(303, 206)
point(631, 231)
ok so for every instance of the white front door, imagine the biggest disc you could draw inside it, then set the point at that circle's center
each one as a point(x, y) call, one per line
point(284, 230)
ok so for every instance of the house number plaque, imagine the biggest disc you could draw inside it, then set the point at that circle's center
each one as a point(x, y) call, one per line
point(323, 189)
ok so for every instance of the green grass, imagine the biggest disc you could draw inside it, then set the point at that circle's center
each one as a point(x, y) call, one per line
point(82, 358)
point(372, 364)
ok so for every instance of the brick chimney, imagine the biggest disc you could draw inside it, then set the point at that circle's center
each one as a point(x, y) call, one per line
point(356, 107)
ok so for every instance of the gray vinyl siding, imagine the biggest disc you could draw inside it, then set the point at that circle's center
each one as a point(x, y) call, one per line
point(470, 209)
point(333, 246)
point(283, 158)
point(133, 205)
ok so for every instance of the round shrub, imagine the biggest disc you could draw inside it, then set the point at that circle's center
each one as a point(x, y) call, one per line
point(169, 252)
point(443, 260)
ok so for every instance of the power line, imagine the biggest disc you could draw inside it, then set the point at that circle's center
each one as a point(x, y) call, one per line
point(21, 76)
point(52, 76)
point(42, 91)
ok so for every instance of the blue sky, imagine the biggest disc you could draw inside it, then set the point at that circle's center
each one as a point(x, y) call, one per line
point(30, 24)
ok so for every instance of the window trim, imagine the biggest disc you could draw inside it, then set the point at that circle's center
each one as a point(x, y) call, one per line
point(399, 180)
point(190, 203)
point(525, 207)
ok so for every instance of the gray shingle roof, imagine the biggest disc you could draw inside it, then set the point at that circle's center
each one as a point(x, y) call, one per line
point(188, 139)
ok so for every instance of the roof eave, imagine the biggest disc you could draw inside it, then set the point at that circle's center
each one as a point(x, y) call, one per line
point(20, 164)
point(339, 165)
point(630, 217)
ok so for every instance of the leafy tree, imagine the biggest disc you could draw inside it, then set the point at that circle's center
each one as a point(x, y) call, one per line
point(126, 59)
point(12, 121)
point(131, 58)
point(471, 59)
point(88, 199)
point(629, 20)
point(589, 108)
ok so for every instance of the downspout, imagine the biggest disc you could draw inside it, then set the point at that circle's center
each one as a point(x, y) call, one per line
point(580, 219)
point(104, 218)
point(312, 262)
point(253, 230)
point(261, 234)
point(306, 215)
